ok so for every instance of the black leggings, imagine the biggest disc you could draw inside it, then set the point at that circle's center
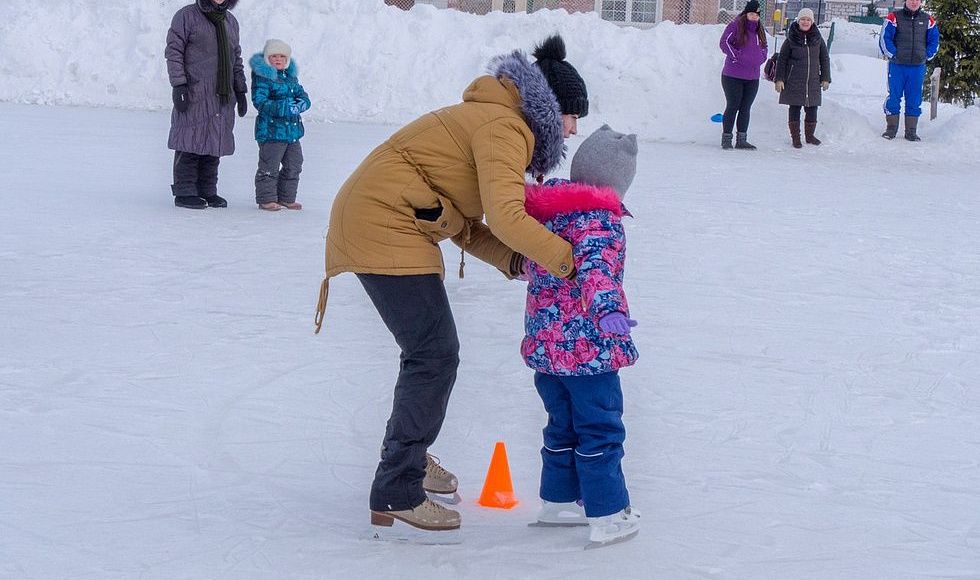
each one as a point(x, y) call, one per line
point(794, 113)
point(739, 93)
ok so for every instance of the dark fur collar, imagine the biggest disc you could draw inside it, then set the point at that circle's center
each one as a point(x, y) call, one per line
point(208, 6)
point(540, 108)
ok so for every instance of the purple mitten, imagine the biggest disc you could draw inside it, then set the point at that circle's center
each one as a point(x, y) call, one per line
point(616, 323)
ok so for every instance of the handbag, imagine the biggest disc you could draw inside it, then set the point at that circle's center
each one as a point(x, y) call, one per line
point(769, 70)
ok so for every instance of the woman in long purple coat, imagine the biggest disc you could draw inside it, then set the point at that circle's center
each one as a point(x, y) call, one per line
point(204, 61)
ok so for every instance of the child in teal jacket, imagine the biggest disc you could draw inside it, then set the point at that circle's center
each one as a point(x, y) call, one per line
point(279, 99)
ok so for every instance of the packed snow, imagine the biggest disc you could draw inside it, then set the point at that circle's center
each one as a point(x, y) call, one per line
point(805, 402)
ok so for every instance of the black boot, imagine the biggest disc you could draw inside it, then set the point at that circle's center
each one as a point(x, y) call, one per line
point(216, 201)
point(891, 126)
point(726, 140)
point(911, 123)
point(741, 141)
point(794, 134)
point(190, 202)
point(808, 129)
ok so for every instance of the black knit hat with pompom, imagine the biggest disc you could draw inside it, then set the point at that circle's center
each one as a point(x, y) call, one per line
point(562, 77)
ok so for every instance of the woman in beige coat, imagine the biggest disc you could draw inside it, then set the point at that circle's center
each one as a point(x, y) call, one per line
point(438, 178)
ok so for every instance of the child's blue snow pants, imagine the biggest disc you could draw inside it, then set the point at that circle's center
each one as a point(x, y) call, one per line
point(583, 442)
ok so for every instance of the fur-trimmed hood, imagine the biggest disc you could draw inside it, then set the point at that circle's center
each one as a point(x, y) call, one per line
point(539, 106)
point(544, 202)
point(208, 6)
point(262, 68)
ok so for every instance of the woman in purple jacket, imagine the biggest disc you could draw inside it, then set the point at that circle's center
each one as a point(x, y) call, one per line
point(744, 44)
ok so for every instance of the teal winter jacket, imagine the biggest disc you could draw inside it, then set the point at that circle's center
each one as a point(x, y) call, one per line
point(279, 99)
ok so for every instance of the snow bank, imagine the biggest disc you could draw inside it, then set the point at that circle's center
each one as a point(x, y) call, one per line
point(364, 61)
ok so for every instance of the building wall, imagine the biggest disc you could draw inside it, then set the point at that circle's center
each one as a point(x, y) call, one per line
point(844, 9)
point(691, 11)
point(677, 11)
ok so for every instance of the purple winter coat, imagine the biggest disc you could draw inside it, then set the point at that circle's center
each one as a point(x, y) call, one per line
point(742, 62)
point(206, 128)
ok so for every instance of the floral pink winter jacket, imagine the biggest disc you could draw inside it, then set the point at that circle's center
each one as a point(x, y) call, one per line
point(562, 334)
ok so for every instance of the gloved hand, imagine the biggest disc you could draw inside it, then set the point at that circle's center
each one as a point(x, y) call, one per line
point(616, 323)
point(182, 98)
point(242, 104)
point(780, 85)
point(294, 109)
point(825, 85)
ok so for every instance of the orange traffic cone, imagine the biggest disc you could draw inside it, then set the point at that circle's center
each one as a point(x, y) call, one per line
point(498, 491)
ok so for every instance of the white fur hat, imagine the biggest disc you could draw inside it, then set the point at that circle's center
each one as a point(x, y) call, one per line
point(276, 46)
point(805, 13)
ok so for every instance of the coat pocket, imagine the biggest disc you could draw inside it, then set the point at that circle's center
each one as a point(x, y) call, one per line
point(446, 224)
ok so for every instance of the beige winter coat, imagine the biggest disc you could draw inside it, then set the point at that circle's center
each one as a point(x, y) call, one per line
point(470, 159)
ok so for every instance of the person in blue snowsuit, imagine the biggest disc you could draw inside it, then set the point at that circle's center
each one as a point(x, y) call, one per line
point(909, 37)
point(280, 100)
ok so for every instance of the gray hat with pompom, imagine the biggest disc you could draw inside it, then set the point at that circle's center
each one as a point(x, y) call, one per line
point(606, 158)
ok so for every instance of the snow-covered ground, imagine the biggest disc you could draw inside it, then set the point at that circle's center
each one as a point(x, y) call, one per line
point(805, 404)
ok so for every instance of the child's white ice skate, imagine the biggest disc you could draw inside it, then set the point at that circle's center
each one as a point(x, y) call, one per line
point(613, 529)
point(560, 515)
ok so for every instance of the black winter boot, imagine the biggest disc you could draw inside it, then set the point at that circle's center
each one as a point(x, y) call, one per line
point(808, 129)
point(891, 126)
point(794, 134)
point(190, 202)
point(911, 123)
point(726, 140)
point(741, 141)
point(216, 201)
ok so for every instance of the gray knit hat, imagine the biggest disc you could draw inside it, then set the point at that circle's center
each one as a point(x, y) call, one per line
point(606, 159)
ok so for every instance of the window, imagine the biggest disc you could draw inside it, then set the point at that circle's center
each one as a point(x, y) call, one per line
point(732, 5)
point(614, 10)
point(644, 10)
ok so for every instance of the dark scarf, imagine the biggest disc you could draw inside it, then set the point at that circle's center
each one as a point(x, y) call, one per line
point(217, 18)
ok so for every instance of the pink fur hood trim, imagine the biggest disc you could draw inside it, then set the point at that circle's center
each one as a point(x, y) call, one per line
point(543, 202)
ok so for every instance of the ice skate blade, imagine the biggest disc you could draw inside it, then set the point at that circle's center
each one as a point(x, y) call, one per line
point(569, 524)
point(404, 533)
point(610, 542)
point(451, 499)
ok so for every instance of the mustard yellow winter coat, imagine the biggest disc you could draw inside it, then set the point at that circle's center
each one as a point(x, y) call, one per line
point(470, 159)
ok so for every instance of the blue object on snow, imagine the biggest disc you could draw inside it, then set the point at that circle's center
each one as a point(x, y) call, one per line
point(717, 118)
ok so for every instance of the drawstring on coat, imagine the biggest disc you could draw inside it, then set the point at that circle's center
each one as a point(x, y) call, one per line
point(465, 239)
point(321, 305)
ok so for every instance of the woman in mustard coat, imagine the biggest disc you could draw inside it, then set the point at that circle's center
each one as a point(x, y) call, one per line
point(439, 178)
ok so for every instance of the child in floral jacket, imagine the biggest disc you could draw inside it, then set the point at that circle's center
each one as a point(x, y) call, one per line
point(279, 99)
point(578, 337)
